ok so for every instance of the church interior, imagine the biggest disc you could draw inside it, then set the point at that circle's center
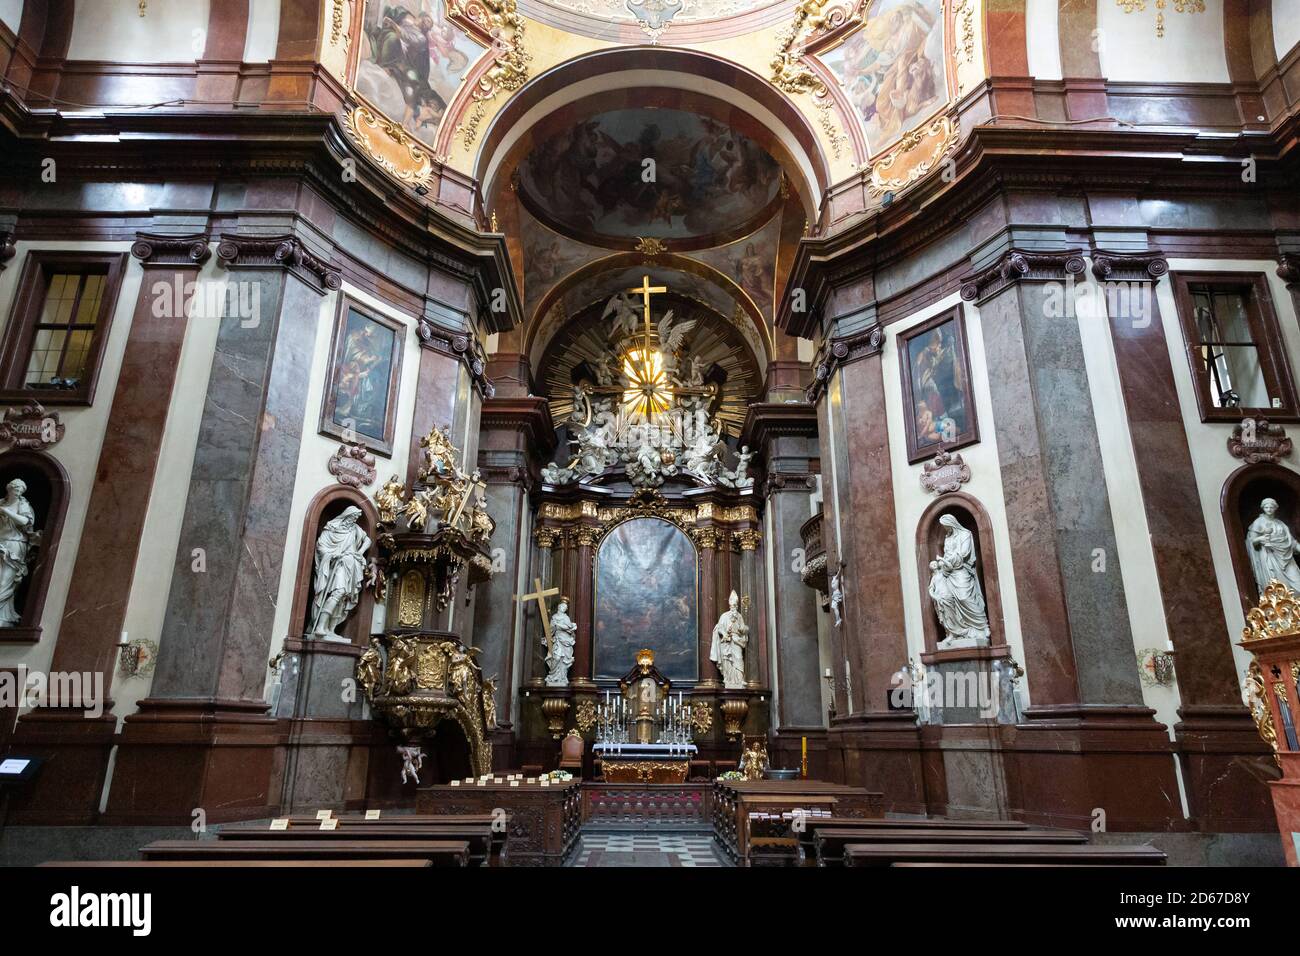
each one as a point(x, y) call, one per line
point(652, 433)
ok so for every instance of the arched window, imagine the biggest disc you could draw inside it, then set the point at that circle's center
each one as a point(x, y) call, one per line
point(47, 493)
point(326, 506)
point(970, 514)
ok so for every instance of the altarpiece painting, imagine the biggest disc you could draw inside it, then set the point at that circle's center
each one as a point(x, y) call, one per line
point(647, 596)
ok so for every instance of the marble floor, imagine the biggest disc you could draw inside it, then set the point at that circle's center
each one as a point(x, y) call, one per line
point(647, 849)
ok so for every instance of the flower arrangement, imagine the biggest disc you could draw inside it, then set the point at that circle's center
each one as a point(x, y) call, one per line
point(556, 776)
point(732, 775)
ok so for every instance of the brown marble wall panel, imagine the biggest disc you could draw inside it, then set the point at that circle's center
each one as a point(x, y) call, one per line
point(830, 422)
point(1179, 540)
point(877, 639)
point(435, 401)
point(119, 497)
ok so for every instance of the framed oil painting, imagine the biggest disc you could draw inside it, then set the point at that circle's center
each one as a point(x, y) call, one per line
point(360, 404)
point(938, 404)
point(647, 596)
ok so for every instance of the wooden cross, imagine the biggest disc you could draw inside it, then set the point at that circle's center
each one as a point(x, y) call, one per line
point(470, 486)
point(539, 595)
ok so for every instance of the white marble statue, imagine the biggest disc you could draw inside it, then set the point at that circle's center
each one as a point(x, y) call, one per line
point(17, 535)
point(740, 477)
point(837, 596)
point(412, 761)
point(340, 572)
point(730, 635)
point(955, 589)
point(564, 634)
point(1272, 549)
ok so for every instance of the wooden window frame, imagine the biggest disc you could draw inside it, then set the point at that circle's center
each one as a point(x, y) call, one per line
point(19, 333)
point(1266, 332)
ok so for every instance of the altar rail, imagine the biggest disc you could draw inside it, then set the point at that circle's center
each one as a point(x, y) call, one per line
point(647, 804)
point(735, 800)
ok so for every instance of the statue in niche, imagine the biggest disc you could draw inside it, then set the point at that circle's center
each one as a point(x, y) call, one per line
point(341, 570)
point(955, 589)
point(18, 536)
point(564, 635)
point(1272, 549)
point(730, 635)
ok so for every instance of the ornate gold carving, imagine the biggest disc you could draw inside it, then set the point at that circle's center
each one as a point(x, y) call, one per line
point(390, 146)
point(390, 500)
point(431, 666)
point(370, 668)
point(645, 771)
point(900, 168)
point(400, 674)
point(1276, 615)
point(650, 247)
point(338, 23)
point(704, 511)
point(554, 709)
point(791, 73)
point(410, 600)
point(963, 15)
point(545, 537)
point(734, 711)
point(1181, 6)
point(749, 539)
point(701, 718)
point(509, 70)
point(587, 537)
point(584, 715)
point(708, 538)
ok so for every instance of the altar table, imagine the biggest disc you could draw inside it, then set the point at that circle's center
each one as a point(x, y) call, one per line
point(644, 763)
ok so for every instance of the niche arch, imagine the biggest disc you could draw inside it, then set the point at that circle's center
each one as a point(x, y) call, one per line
point(1239, 505)
point(972, 516)
point(48, 490)
point(328, 504)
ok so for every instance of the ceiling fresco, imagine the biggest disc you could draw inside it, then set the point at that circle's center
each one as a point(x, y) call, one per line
point(412, 62)
point(661, 173)
point(893, 70)
point(678, 11)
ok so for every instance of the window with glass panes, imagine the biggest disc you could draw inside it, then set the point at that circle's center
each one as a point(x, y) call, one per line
point(65, 330)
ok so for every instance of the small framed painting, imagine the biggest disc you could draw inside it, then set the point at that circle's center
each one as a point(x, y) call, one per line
point(938, 404)
point(360, 404)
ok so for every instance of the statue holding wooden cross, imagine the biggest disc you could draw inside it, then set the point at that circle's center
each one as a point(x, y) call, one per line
point(559, 632)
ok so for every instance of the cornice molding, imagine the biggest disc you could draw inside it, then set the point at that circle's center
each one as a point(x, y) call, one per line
point(767, 420)
point(843, 350)
point(278, 252)
point(460, 345)
point(1128, 266)
point(159, 250)
point(529, 415)
point(1021, 265)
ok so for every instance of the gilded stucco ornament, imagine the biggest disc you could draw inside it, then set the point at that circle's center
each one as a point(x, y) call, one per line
point(501, 22)
point(915, 155)
point(814, 20)
point(389, 145)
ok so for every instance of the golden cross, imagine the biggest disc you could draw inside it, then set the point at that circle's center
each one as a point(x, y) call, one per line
point(645, 291)
point(539, 595)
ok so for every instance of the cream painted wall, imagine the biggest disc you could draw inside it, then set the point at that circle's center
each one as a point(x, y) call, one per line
point(263, 31)
point(1210, 458)
point(1191, 51)
point(1043, 39)
point(169, 32)
point(11, 13)
point(1286, 26)
point(316, 449)
point(910, 499)
point(78, 451)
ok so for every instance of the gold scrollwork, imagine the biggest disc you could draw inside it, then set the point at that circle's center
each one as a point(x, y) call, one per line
point(584, 715)
point(1276, 615)
point(389, 145)
point(701, 718)
point(941, 132)
point(410, 600)
point(501, 20)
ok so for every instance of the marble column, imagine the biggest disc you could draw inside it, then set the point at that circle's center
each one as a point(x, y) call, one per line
point(203, 738)
point(516, 436)
point(1216, 736)
point(868, 744)
point(77, 748)
point(584, 598)
point(708, 547)
point(1079, 656)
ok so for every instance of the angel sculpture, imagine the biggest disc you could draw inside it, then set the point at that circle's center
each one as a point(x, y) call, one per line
point(673, 337)
point(412, 761)
point(625, 315)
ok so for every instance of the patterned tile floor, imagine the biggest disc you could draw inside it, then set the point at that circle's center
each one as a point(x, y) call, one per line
point(644, 848)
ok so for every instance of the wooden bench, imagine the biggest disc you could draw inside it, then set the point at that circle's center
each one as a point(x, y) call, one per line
point(205, 864)
point(887, 854)
point(808, 836)
point(437, 852)
point(829, 844)
point(485, 844)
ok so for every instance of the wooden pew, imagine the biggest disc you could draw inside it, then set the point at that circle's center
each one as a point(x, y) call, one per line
point(484, 844)
point(887, 854)
point(437, 852)
point(807, 838)
point(206, 864)
point(829, 843)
